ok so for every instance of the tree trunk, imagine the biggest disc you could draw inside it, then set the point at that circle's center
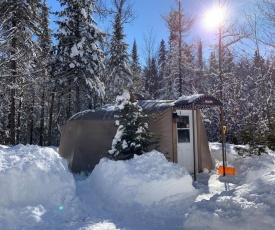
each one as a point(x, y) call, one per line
point(19, 119)
point(32, 121)
point(69, 107)
point(12, 115)
point(42, 115)
point(51, 117)
point(13, 81)
point(77, 105)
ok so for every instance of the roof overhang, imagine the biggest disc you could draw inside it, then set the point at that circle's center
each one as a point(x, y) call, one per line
point(199, 101)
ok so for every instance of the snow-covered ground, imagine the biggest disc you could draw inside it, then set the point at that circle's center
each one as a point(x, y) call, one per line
point(37, 191)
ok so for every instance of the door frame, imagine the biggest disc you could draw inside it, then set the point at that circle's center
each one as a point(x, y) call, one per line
point(193, 139)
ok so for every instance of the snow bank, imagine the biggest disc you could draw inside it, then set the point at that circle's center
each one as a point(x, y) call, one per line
point(35, 186)
point(38, 192)
point(146, 192)
point(243, 201)
point(145, 180)
point(31, 175)
point(216, 152)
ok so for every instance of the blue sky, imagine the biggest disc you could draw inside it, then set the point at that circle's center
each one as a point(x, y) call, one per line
point(149, 18)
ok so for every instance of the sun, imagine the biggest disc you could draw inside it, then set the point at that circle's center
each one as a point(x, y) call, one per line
point(214, 17)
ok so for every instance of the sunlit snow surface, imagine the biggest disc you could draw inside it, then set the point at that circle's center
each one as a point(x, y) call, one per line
point(37, 191)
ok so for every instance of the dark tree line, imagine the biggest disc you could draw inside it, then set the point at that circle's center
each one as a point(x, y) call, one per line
point(43, 84)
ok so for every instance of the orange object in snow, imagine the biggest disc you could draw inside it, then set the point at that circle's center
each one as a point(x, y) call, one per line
point(228, 170)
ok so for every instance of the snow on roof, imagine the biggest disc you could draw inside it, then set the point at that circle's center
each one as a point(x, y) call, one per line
point(189, 99)
point(184, 102)
point(152, 106)
point(80, 114)
point(199, 101)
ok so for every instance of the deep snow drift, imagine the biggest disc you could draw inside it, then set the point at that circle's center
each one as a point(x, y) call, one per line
point(38, 192)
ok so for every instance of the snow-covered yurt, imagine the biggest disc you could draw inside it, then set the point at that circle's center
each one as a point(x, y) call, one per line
point(178, 126)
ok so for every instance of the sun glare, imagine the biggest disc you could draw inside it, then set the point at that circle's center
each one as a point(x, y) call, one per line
point(214, 17)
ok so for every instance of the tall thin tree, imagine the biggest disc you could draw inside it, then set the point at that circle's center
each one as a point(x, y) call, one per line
point(138, 82)
point(119, 74)
point(179, 25)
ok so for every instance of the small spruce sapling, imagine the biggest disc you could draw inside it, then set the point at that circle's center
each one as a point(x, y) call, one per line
point(132, 136)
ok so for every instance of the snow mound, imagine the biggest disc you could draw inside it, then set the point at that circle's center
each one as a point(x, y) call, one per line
point(31, 175)
point(216, 152)
point(242, 201)
point(141, 181)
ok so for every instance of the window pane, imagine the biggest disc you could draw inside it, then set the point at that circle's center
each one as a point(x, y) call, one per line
point(183, 136)
point(183, 122)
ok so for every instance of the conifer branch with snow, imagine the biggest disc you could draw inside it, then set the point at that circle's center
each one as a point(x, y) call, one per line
point(132, 136)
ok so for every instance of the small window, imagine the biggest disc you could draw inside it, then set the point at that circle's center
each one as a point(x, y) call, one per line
point(183, 129)
point(183, 135)
point(183, 122)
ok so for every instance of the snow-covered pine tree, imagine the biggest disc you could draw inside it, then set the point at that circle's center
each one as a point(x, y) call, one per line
point(132, 136)
point(256, 122)
point(230, 88)
point(220, 80)
point(211, 85)
point(200, 75)
point(119, 75)
point(271, 101)
point(212, 82)
point(260, 23)
point(179, 25)
point(188, 69)
point(149, 53)
point(151, 79)
point(239, 99)
point(138, 81)
point(162, 69)
point(79, 59)
point(169, 83)
point(18, 28)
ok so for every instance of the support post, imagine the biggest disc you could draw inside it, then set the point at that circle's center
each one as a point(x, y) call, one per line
point(223, 142)
point(194, 141)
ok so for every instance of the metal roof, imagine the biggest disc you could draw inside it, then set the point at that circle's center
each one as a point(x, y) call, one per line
point(199, 101)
